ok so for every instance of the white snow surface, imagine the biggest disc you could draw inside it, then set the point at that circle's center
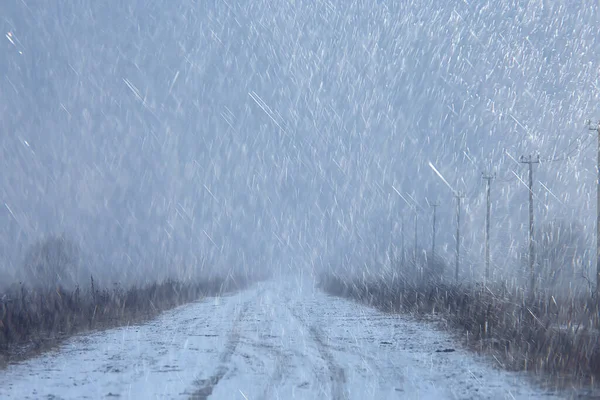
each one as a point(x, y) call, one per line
point(272, 341)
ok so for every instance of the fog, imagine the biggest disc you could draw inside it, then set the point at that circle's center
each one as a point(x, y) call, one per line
point(182, 138)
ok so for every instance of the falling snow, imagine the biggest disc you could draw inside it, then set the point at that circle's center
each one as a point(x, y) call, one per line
point(218, 140)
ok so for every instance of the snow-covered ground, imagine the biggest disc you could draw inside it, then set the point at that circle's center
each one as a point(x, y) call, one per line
point(270, 342)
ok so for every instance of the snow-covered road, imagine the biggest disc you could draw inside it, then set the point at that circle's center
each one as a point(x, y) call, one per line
point(270, 342)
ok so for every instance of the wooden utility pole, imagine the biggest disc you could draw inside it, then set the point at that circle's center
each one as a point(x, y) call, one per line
point(416, 235)
point(402, 244)
point(488, 179)
point(435, 206)
point(459, 197)
point(391, 251)
point(530, 161)
point(419, 269)
point(597, 129)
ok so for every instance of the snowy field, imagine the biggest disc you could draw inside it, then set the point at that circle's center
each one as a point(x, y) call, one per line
point(269, 342)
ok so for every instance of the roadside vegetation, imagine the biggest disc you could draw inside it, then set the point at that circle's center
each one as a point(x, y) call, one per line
point(555, 331)
point(50, 306)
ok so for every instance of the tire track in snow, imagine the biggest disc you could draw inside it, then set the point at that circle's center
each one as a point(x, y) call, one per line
point(280, 368)
point(206, 386)
point(265, 346)
point(337, 375)
point(264, 340)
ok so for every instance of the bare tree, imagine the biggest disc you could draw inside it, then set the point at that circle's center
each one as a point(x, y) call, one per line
point(53, 262)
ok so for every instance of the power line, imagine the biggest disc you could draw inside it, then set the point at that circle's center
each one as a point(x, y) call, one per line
point(581, 144)
point(475, 190)
point(567, 156)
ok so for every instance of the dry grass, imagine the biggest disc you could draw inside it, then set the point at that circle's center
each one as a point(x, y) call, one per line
point(548, 334)
point(31, 321)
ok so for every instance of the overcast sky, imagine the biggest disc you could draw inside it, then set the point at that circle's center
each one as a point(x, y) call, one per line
point(266, 134)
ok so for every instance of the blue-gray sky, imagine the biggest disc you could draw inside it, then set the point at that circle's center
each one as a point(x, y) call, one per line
point(264, 134)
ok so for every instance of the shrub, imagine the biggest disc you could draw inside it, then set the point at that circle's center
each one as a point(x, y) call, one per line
point(559, 336)
point(45, 316)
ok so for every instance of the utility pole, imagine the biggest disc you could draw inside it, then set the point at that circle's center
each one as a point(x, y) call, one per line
point(418, 267)
point(597, 129)
point(435, 206)
point(530, 161)
point(488, 179)
point(416, 236)
point(391, 251)
point(402, 244)
point(459, 196)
